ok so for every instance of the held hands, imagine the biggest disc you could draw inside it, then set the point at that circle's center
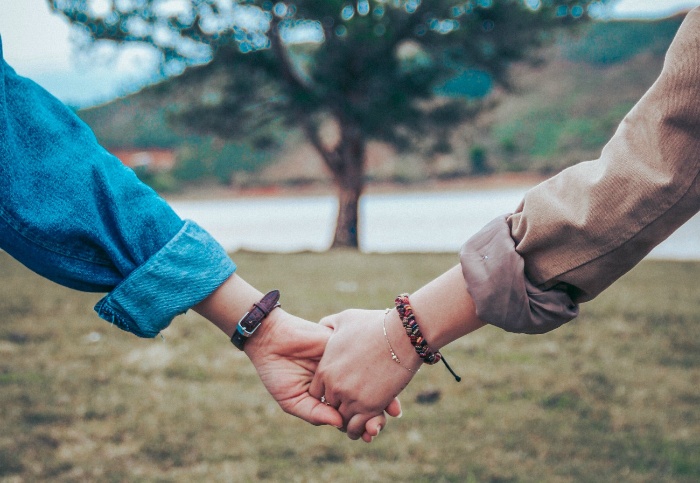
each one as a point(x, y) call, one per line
point(358, 374)
point(286, 353)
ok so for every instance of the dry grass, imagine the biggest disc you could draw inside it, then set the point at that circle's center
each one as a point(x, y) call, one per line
point(612, 396)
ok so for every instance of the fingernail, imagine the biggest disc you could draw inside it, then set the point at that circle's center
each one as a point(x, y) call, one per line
point(400, 414)
point(379, 428)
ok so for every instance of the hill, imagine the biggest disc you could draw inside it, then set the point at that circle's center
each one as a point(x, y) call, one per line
point(561, 112)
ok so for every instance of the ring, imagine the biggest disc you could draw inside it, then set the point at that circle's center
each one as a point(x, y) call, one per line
point(323, 400)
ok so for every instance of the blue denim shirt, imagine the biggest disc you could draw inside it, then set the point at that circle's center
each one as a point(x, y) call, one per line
point(73, 213)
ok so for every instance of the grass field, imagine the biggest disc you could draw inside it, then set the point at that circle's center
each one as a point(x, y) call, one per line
point(613, 396)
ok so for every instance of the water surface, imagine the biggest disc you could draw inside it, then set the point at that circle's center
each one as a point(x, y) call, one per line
point(397, 222)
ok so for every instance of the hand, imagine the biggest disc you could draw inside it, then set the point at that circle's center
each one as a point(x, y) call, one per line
point(286, 351)
point(286, 355)
point(357, 374)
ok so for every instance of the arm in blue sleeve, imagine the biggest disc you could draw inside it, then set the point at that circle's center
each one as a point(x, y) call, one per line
point(75, 214)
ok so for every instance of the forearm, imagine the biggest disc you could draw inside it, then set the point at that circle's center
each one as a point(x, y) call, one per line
point(444, 309)
point(227, 304)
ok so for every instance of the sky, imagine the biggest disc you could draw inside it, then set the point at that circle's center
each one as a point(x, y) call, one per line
point(39, 45)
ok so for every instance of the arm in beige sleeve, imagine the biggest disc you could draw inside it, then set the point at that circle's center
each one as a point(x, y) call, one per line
point(576, 233)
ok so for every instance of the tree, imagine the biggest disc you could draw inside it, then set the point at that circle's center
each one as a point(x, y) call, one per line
point(370, 67)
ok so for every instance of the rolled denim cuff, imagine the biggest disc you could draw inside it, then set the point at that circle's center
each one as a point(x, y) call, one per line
point(502, 293)
point(181, 274)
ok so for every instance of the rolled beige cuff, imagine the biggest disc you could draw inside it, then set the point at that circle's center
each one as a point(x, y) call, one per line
point(503, 295)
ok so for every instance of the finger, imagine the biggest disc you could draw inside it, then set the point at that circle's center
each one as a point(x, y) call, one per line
point(394, 408)
point(356, 426)
point(315, 412)
point(318, 394)
point(327, 330)
point(373, 427)
point(317, 388)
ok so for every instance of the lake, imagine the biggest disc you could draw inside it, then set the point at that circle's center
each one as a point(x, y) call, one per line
point(439, 222)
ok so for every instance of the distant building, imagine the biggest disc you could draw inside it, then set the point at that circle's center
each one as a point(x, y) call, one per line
point(151, 159)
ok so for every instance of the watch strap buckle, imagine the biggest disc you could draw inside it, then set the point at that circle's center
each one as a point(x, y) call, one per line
point(252, 319)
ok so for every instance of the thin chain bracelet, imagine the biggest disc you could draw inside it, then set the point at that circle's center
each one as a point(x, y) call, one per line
point(394, 357)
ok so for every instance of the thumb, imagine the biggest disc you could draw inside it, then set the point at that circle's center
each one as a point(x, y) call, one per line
point(317, 413)
point(330, 416)
point(304, 340)
point(328, 321)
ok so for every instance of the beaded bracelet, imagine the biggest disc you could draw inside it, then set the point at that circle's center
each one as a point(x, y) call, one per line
point(403, 307)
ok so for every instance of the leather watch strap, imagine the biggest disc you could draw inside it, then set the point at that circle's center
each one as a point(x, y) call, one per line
point(252, 319)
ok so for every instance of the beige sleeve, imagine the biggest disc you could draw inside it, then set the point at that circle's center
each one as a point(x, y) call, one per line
point(581, 230)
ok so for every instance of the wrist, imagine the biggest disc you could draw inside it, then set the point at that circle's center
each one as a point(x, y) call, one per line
point(400, 343)
point(253, 319)
point(229, 303)
point(265, 333)
point(425, 352)
point(444, 309)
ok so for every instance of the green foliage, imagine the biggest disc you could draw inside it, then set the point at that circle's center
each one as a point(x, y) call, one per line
point(615, 41)
point(574, 125)
point(478, 157)
point(371, 66)
point(210, 159)
point(470, 83)
point(142, 121)
point(546, 135)
point(162, 182)
point(137, 121)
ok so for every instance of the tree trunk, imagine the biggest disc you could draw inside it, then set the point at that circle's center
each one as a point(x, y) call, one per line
point(349, 177)
point(346, 161)
point(348, 217)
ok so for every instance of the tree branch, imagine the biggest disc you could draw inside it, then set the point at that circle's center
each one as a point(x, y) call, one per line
point(289, 73)
point(330, 157)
